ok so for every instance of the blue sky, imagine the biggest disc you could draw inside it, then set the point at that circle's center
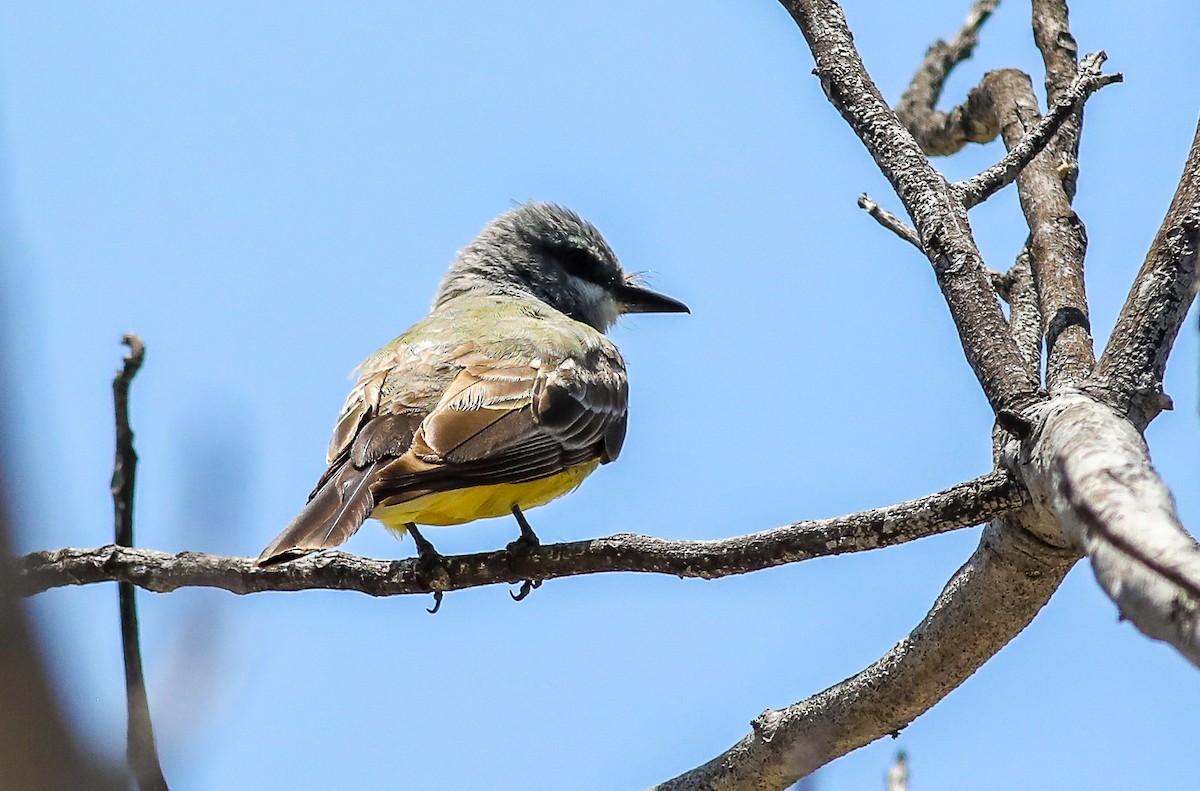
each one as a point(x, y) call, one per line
point(268, 195)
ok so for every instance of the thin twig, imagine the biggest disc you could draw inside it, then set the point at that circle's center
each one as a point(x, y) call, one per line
point(890, 221)
point(979, 188)
point(965, 504)
point(140, 747)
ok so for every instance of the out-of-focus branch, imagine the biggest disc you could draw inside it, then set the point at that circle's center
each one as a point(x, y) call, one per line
point(37, 748)
point(985, 604)
point(897, 773)
point(934, 206)
point(941, 133)
point(1090, 468)
point(1131, 369)
point(966, 504)
point(140, 747)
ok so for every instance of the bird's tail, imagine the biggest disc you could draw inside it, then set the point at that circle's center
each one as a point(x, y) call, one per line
point(333, 514)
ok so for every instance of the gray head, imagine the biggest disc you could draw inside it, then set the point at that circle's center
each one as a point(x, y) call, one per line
point(550, 253)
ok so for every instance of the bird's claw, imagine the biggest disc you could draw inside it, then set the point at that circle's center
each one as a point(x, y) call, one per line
point(430, 567)
point(527, 587)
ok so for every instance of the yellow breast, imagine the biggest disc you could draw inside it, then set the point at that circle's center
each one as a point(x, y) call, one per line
point(459, 506)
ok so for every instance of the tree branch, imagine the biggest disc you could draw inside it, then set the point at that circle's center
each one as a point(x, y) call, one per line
point(890, 221)
point(141, 750)
point(939, 133)
point(1090, 467)
point(959, 506)
point(1057, 240)
point(937, 212)
point(1025, 318)
point(1132, 366)
point(985, 604)
point(1052, 35)
point(1024, 148)
point(1004, 103)
point(38, 748)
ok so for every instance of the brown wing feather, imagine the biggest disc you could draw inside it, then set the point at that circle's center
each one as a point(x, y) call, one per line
point(333, 514)
point(497, 421)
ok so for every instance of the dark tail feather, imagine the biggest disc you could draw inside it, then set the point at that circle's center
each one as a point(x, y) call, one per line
point(332, 515)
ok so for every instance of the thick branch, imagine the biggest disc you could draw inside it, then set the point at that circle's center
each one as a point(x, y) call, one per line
point(984, 605)
point(1132, 366)
point(1024, 148)
point(1057, 240)
point(959, 506)
point(941, 133)
point(1090, 467)
point(937, 212)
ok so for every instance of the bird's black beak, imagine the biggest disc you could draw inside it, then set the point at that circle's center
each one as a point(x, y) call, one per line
point(634, 299)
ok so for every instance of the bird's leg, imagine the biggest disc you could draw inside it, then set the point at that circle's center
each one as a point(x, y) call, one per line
point(429, 561)
point(528, 539)
point(525, 543)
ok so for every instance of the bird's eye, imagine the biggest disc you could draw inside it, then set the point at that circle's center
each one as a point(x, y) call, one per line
point(579, 263)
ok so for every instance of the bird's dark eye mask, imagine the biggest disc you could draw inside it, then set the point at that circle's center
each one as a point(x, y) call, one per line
point(579, 263)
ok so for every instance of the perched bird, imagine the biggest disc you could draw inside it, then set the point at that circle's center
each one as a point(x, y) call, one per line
point(506, 396)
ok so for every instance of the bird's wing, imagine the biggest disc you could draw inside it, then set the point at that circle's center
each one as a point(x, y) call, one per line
point(505, 420)
point(498, 419)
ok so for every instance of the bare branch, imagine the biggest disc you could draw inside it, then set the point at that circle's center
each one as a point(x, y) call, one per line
point(937, 212)
point(1004, 103)
point(979, 188)
point(941, 133)
point(984, 605)
point(1057, 239)
point(1052, 34)
point(890, 221)
point(1025, 318)
point(1091, 468)
point(1132, 366)
point(140, 748)
point(959, 506)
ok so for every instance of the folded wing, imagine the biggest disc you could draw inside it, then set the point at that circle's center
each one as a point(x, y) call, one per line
point(498, 420)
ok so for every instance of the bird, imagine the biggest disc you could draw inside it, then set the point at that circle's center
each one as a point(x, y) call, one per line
point(504, 397)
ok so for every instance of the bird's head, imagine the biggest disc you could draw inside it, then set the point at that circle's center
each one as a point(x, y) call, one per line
point(550, 253)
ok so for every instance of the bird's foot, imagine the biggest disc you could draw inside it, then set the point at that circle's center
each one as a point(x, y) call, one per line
point(527, 542)
point(430, 568)
point(528, 539)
